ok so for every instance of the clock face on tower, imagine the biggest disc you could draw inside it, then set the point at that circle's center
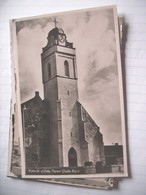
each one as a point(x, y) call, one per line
point(61, 39)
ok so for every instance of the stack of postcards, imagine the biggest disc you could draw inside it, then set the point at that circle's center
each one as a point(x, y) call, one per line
point(67, 111)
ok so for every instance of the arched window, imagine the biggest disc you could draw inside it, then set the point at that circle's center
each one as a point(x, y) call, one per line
point(49, 70)
point(72, 157)
point(66, 68)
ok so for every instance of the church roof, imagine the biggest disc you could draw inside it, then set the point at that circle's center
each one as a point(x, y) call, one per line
point(54, 37)
point(113, 150)
point(55, 31)
point(86, 115)
point(36, 98)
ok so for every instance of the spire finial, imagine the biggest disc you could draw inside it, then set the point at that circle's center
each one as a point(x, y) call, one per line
point(55, 22)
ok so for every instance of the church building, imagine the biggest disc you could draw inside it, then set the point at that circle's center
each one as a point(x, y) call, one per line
point(58, 131)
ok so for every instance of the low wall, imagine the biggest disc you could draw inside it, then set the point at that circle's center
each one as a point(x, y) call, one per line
point(117, 168)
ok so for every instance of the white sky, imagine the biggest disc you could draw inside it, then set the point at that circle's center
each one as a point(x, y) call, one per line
point(93, 36)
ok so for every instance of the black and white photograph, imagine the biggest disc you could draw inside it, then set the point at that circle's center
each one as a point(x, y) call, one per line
point(70, 95)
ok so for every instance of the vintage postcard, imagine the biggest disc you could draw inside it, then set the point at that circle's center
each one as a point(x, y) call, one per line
point(70, 95)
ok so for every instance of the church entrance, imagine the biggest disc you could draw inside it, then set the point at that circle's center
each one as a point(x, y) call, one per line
point(72, 157)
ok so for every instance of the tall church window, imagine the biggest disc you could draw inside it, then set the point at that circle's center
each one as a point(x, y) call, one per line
point(66, 68)
point(49, 70)
point(72, 157)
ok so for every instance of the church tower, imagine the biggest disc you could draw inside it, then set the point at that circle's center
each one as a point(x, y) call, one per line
point(59, 74)
point(72, 137)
